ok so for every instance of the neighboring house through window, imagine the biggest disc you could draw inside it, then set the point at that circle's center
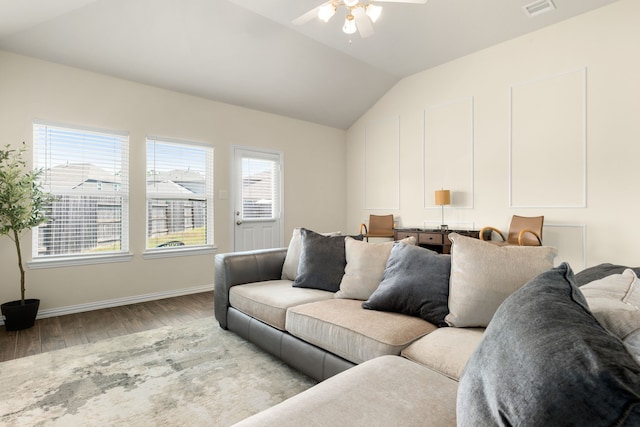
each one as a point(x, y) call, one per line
point(179, 194)
point(87, 172)
point(259, 188)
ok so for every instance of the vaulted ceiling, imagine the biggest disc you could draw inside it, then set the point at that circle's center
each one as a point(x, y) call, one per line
point(248, 53)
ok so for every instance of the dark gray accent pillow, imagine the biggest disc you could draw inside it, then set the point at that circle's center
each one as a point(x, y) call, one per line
point(415, 282)
point(546, 361)
point(600, 271)
point(322, 261)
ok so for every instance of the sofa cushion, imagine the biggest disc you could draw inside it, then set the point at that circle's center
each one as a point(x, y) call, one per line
point(344, 328)
point(268, 301)
point(322, 261)
point(386, 391)
point(365, 267)
point(415, 282)
point(291, 260)
point(483, 275)
point(546, 360)
point(445, 350)
point(614, 301)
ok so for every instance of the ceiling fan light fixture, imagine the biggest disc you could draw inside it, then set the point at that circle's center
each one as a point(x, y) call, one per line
point(373, 12)
point(349, 25)
point(326, 11)
point(360, 14)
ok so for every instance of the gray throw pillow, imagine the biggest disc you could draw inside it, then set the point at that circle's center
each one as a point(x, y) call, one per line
point(546, 361)
point(290, 266)
point(322, 261)
point(415, 282)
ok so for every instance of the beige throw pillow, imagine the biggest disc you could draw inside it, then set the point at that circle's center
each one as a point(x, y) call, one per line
point(365, 267)
point(614, 300)
point(290, 266)
point(618, 289)
point(483, 275)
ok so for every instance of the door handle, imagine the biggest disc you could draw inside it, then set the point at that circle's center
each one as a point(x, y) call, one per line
point(238, 222)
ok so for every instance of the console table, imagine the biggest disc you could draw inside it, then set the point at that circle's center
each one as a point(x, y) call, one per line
point(436, 240)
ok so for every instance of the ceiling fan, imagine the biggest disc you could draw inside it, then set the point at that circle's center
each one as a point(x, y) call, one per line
point(361, 14)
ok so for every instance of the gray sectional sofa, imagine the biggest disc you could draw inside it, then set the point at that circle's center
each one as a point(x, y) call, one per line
point(390, 335)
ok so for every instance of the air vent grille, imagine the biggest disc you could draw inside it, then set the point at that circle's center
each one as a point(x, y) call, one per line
point(538, 7)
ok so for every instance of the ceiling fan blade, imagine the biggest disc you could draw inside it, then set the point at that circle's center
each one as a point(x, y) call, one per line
point(306, 17)
point(365, 27)
point(401, 1)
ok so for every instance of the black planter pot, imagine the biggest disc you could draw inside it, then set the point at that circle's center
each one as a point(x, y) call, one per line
point(18, 316)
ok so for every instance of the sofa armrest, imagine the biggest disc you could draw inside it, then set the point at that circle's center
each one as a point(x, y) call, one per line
point(236, 268)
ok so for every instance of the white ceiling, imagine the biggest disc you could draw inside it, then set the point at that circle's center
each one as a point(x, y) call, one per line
point(247, 52)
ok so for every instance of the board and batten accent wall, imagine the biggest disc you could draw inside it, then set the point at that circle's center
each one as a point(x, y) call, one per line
point(548, 133)
point(544, 124)
point(381, 150)
point(448, 128)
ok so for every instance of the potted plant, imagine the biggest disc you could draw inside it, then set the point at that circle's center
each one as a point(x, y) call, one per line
point(22, 202)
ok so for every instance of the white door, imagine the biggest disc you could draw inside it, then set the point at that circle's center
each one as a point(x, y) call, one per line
point(257, 199)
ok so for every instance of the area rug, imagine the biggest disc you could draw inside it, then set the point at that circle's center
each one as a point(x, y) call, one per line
point(195, 374)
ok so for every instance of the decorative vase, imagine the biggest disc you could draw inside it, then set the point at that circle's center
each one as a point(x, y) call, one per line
point(18, 316)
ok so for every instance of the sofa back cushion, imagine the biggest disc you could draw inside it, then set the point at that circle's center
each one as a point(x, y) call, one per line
point(546, 360)
point(483, 275)
point(365, 267)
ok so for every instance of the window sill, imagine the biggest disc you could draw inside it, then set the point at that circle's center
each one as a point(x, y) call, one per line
point(178, 251)
point(54, 262)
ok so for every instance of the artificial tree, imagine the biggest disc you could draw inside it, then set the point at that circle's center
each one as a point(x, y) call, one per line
point(22, 203)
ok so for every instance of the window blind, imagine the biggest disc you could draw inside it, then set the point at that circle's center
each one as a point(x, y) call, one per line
point(179, 194)
point(87, 171)
point(259, 184)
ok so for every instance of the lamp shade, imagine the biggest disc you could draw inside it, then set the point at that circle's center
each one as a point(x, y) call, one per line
point(373, 12)
point(326, 11)
point(443, 197)
point(349, 25)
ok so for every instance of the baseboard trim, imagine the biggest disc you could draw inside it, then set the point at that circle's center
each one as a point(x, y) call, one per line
point(79, 308)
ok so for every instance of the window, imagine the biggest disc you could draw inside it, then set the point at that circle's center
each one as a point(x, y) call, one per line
point(259, 184)
point(87, 172)
point(179, 194)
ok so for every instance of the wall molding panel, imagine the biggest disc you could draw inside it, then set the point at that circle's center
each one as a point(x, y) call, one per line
point(548, 142)
point(382, 152)
point(448, 152)
point(571, 242)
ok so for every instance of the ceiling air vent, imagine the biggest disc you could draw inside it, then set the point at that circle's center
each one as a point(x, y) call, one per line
point(538, 7)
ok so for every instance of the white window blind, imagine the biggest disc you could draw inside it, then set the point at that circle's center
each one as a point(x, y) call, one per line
point(179, 194)
point(87, 171)
point(259, 184)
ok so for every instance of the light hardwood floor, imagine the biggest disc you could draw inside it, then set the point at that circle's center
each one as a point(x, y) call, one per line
point(54, 333)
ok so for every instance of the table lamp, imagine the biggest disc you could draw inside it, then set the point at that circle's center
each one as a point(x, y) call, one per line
point(443, 197)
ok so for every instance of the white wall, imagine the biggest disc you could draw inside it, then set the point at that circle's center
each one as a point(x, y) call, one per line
point(314, 172)
point(546, 71)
